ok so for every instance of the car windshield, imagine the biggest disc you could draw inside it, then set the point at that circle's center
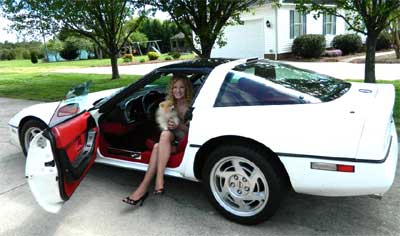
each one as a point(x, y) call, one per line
point(323, 87)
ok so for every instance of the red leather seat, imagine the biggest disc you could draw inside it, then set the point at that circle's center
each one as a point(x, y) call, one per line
point(175, 158)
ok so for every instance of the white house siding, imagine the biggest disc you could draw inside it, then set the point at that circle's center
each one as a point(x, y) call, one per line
point(254, 39)
point(247, 40)
point(284, 41)
point(314, 26)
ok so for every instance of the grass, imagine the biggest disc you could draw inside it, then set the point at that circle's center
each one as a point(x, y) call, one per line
point(396, 109)
point(27, 66)
point(24, 80)
point(53, 86)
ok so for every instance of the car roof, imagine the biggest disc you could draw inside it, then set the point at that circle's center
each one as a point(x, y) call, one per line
point(197, 64)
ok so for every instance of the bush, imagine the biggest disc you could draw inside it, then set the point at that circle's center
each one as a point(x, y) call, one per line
point(34, 57)
point(348, 43)
point(309, 46)
point(142, 60)
point(11, 55)
point(3, 55)
point(26, 55)
point(383, 41)
point(175, 54)
point(70, 52)
point(168, 58)
point(127, 57)
point(152, 56)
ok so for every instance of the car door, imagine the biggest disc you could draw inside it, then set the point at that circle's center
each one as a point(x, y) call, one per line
point(60, 156)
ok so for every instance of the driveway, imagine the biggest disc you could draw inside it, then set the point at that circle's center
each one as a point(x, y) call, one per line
point(341, 70)
point(96, 207)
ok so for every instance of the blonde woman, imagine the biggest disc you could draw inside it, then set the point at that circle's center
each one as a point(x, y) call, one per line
point(180, 93)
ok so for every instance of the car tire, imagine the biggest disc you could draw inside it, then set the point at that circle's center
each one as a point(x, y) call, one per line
point(242, 184)
point(28, 131)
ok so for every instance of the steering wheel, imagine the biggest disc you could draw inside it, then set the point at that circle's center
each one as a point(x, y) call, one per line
point(150, 103)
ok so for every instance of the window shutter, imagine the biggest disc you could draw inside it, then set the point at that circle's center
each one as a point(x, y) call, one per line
point(324, 24)
point(304, 24)
point(334, 25)
point(291, 25)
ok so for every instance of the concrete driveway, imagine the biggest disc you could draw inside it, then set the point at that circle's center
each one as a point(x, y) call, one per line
point(96, 207)
point(341, 70)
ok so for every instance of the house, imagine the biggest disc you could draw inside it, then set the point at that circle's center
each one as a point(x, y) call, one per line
point(268, 32)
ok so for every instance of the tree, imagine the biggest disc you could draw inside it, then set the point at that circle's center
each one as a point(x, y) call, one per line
point(206, 18)
point(99, 20)
point(368, 17)
point(29, 23)
point(394, 29)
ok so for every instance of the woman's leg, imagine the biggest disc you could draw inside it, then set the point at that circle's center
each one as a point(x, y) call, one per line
point(151, 170)
point(164, 152)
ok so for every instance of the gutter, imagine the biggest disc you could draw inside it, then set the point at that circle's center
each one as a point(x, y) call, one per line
point(276, 33)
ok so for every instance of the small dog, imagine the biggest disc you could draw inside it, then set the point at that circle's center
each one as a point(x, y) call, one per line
point(165, 112)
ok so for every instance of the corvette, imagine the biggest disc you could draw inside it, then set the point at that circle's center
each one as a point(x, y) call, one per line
point(257, 128)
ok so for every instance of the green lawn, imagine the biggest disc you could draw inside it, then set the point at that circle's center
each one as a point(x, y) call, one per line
point(21, 66)
point(53, 86)
point(24, 80)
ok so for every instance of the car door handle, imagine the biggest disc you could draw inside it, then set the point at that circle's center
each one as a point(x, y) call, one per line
point(50, 163)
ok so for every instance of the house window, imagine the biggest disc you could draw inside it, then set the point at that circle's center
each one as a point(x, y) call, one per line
point(329, 24)
point(298, 24)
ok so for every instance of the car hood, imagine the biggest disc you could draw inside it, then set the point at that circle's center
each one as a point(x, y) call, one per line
point(44, 111)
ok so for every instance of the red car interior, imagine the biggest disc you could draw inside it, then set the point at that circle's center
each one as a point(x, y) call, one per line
point(70, 137)
point(144, 157)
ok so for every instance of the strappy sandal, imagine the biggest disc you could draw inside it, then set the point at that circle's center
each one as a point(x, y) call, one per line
point(130, 201)
point(160, 191)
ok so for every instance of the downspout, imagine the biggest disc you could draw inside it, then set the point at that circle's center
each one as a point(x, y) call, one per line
point(276, 33)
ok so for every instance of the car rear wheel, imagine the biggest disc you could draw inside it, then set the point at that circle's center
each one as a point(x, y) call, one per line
point(242, 184)
point(28, 131)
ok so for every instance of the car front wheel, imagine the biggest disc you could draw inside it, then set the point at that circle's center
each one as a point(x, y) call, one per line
point(242, 184)
point(28, 131)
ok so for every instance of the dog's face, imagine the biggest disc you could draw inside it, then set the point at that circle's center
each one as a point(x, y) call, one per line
point(166, 106)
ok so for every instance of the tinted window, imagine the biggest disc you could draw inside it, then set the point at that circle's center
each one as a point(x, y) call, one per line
point(243, 89)
point(321, 87)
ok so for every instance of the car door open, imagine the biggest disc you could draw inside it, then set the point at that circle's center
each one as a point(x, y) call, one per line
point(59, 157)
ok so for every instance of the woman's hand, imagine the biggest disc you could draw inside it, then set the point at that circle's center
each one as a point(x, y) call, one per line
point(171, 124)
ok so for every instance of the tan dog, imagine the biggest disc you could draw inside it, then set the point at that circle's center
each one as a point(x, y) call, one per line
point(165, 112)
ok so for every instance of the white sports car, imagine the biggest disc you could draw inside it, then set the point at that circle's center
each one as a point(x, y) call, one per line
point(257, 128)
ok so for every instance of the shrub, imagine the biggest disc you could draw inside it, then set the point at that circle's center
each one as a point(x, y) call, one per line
point(127, 57)
point(175, 54)
point(348, 43)
point(3, 54)
point(11, 55)
point(34, 57)
point(26, 55)
point(69, 52)
point(309, 46)
point(168, 58)
point(383, 41)
point(142, 60)
point(152, 56)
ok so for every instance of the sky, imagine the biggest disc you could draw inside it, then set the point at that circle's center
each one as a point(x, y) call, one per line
point(12, 36)
point(4, 35)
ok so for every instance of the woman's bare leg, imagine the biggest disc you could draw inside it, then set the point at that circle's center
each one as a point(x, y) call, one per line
point(151, 170)
point(164, 152)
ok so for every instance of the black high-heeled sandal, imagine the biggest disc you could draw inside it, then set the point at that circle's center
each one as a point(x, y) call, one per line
point(160, 191)
point(130, 201)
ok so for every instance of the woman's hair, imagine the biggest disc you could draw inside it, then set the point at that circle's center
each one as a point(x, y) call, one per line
point(186, 83)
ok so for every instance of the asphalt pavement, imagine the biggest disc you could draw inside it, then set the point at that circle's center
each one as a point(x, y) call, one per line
point(96, 207)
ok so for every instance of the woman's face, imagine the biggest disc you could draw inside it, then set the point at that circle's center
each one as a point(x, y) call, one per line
point(178, 90)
